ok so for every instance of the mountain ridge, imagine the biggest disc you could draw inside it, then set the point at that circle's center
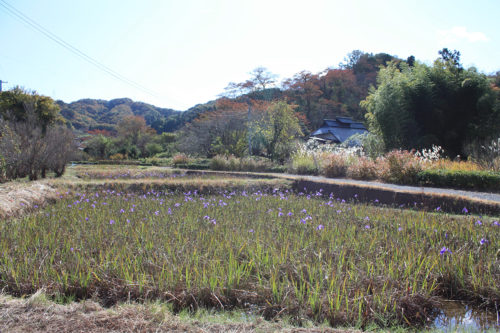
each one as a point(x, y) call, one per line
point(89, 114)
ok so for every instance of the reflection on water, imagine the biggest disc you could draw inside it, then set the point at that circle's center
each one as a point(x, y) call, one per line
point(455, 316)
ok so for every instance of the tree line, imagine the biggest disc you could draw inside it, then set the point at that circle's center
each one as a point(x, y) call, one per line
point(405, 103)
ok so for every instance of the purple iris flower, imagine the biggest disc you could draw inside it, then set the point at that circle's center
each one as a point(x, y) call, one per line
point(444, 250)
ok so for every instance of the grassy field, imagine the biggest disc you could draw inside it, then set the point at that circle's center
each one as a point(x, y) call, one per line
point(274, 253)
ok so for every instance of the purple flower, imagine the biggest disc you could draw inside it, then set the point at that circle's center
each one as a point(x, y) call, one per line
point(122, 211)
point(367, 218)
point(72, 249)
point(464, 210)
point(320, 227)
point(280, 214)
point(111, 221)
point(444, 250)
point(367, 226)
point(157, 213)
point(483, 241)
point(304, 211)
point(290, 213)
point(177, 204)
point(303, 221)
point(128, 221)
point(438, 208)
point(86, 218)
point(399, 229)
point(478, 222)
point(495, 223)
point(251, 230)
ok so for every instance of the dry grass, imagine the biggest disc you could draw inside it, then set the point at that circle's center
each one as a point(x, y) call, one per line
point(443, 164)
point(38, 314)
point(17, 198)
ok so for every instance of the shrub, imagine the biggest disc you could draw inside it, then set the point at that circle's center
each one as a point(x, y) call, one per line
point(256, 164)
point(180, 159)
point(117, 156)
point(495, 164)
point(165, 154)
point(303, 165)
point(232, 163)
point(478, 180)
point(334, 165)
point(218, 162)
point(364, 168)
point(401, 167)
point(158, 161)
point(153, 148)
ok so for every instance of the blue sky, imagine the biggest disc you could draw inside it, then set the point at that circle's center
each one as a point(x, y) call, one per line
point(187, 51)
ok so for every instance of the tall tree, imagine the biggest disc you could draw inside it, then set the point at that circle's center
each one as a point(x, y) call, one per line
point(14, 104)
point(304, 88)
point(279, 128)
point(415, 107)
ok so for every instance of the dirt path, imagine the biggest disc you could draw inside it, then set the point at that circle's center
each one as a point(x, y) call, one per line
point(16, 198)
point(428, 198)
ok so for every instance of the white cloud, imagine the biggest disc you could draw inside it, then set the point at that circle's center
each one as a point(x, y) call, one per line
point(460, 33)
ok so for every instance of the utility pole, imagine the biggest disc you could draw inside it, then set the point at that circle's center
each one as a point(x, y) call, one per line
point(1, 84)
point(249, 128)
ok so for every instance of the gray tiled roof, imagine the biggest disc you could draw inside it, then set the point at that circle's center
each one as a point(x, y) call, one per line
point(339, 130)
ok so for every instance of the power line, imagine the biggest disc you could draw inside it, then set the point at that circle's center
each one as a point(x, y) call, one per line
point(19, 15)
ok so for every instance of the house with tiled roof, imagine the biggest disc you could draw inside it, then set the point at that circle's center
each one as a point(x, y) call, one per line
point(338, 130)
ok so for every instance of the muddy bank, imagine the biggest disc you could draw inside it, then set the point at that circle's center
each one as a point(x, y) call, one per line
point(406, 199)
point(425, 198)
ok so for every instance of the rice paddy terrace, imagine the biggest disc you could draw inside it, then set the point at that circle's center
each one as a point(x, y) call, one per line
point(256, 245)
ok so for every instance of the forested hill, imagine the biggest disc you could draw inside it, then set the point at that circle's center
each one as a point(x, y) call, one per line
point(95, 114)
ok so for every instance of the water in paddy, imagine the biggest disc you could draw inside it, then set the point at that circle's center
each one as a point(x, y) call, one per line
point(455, 317)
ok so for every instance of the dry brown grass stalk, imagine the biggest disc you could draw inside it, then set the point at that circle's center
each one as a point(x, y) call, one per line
point(17, 198)
point(37, 314)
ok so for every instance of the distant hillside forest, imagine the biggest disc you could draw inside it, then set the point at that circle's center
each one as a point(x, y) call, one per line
point(87, 115)
point(332, 92)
